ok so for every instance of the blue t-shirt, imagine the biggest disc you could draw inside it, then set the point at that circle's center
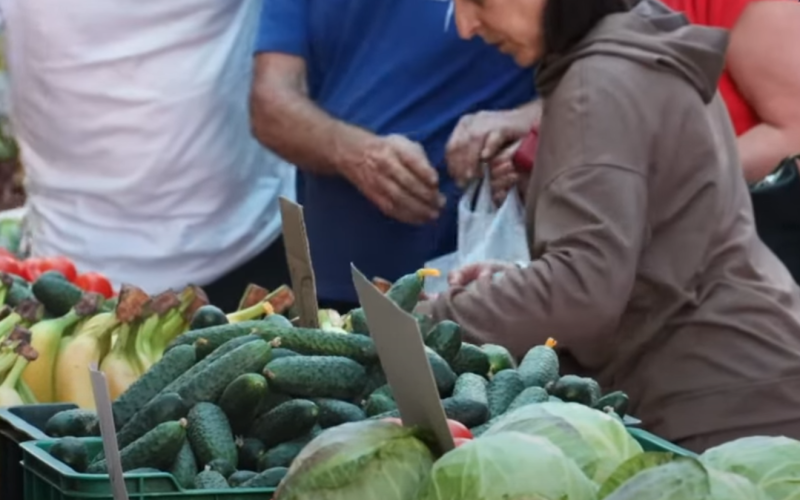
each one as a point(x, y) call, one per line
point(389, 66)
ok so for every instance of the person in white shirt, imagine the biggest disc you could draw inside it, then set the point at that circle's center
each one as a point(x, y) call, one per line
point(133, 127)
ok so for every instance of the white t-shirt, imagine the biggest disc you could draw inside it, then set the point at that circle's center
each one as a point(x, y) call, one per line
point(132, 118)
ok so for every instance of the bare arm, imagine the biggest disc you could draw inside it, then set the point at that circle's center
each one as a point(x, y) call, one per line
point(285, 120)
point(764, 62)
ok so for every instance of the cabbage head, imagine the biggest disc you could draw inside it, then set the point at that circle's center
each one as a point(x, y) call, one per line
point(595, 440)
point(367, 459)
point(678, 479)
point(771, 463)
point(507, 466)
point(729, 486)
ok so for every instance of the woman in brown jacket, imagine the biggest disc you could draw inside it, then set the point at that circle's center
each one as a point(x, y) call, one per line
point(645, 264)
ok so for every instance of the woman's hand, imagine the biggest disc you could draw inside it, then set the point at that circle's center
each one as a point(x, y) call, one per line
point(467, 274)
point(504, 177)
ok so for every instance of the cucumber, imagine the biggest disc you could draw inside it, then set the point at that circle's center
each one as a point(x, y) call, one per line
point(162, 408)
point(184, 468)
point(616, 401)
point(375, 378)
point(286, 422)
point(503, 388)
point(445, 339)
point(201, 365)
point(405, 292)
point(238, 478)
point(157, 449)
point(499, 358)
point(250, 450)
point(57, 295)
point(209, 384)
point(572, 388)
point(470, 359)
point(241, 399)
point(222, 466)
point(316, 342)
point(71, 451)
point(472, 387)
point(443, 375)
point(271, 401)
point(210, 435)
point(333, 412)
point(358, 322)
point(555, 399)
point(378, 403)
point(280, 352)
point(317, 376)
point(539, 367)
point(270, 478)
point(531, 395)
point(18, 293)
point(207, 316)
point(73, 423)
point(468, 412)
point(283, 455)
point(424, 322)
point(216, 336)
point(210, 480)
point(172, 365)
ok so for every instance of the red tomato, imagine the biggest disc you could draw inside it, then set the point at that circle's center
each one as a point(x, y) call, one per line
point(6, 253)
point(458, 430)
point(95, 282)
point(62, 265)
point(32, 269)
point(10, 265)
point(460, 441)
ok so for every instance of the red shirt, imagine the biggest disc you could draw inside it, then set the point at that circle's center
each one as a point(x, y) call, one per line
point(722, 14)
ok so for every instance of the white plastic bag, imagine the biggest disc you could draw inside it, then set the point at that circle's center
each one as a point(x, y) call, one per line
point(485, 232)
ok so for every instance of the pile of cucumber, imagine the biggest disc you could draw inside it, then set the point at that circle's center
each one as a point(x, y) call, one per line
point(232, 405)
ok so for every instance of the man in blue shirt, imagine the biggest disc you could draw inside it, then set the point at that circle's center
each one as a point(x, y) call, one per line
point(363, 95)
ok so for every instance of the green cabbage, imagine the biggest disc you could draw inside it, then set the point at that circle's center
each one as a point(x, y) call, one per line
point(596, 441)
point(361, 460)
point(729, 486)
point(771, 463)
point(680, 479)
point(507, 466)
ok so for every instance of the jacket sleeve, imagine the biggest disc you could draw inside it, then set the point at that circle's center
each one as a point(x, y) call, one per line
point(590, 227)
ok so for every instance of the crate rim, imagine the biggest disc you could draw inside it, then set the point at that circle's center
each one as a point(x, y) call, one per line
point(20, 425)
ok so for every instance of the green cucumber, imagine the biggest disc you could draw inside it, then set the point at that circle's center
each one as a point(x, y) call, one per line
point(405, 292)
point(443, 375)
point(286, 422)
point(616, 401)
point(73, 423)
point(531, 395)
point(184, 468)
point(375, 378)
point(210, 435)
point(207, 316)
point(238, 478)
point(378, 403)
point(333, 412)
point(270, 478)
point(499, 358)
point(222, 466)
point(217, 335)
point(280, 352)
point(283, 455)
point(271, 401)
point(241, 399)
point(468, 412)
point(157, 449)
point(71, 451)
point(445, 339)
point(473, 387)
point(18, 293)
point(250, 450)
point(503, 388)
point(316, 342)
point(358, 322)
point(424, 322)
point(209, 384)
point(57, 295)
point(171, 366)
point(572, 388)
point(539, 367)
point(210, 479)
point(317, 376)
point(470, 359)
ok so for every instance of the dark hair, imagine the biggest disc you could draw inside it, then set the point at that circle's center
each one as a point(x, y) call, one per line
point(567, 21)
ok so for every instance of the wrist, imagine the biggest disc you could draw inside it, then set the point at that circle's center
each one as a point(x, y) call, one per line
point(347, 147)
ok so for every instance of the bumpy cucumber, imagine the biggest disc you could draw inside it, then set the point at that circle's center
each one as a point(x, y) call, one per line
point(250, 450)
point(468, 412)
point(271, 401)
point(317, 376)
point(316, 342)
point(210, 480)
point(405, 292)
point(56, 294)
point(471, 359)
point(184, 468)
point(531, 395)
point(208, 316)
point(270, 478)
point(445, 339)
point(162, 408)
point(241, 399)
point(540, 366)
point(473, 387)
point(286, 422)
point(443, 375)
point(499, 358)
point(71, 451)
point(73, 423)
point(210, 435)
point(216, 336)
point(358, 322)
point(172, 365)
point(157, 449)
point(504, 387)
point(238, 478)
point(333, 412)
point(280, 352)
point(378, 403)
point(284, 454)
point(616, 401)
point(573, 388)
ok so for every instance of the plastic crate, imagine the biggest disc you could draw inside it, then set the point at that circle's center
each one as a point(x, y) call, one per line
point(46, 478)
point(651, 442)
point(17, 425)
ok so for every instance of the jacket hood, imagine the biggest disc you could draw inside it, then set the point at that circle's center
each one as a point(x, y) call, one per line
point(653, 35)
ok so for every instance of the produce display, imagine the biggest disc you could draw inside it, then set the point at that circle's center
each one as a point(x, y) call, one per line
point(52, 329)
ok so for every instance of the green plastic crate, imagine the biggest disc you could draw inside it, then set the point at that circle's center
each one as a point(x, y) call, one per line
point(651, 442)
point(46, 478)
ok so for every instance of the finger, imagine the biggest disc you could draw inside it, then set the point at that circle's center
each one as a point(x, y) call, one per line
point(463, 159)
point(413, 157)
point(465, 275)
point(406, 205)
point(403, 176)
point(495, 141)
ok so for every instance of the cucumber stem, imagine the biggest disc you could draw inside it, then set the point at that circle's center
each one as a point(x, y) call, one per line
point(428, 272)
point(551, 342)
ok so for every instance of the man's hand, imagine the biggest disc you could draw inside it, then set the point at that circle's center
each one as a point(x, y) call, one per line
point(394, 173)
point(467, 274)
point(481, 136)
